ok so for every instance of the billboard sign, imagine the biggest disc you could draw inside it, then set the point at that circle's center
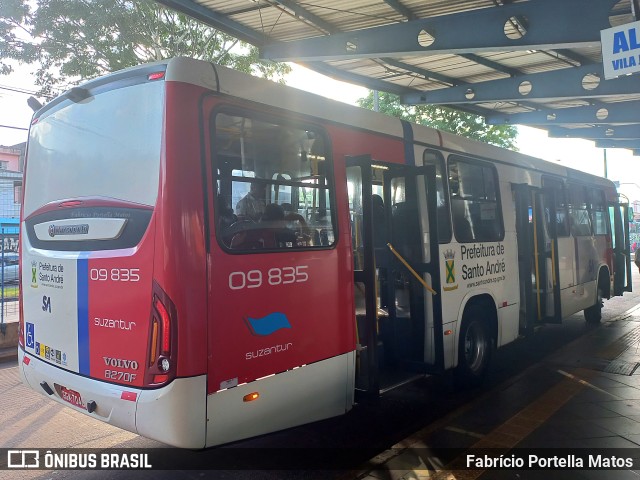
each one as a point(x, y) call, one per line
point(621, 50)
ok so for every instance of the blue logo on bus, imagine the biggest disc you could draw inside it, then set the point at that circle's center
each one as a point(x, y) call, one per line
point(30, 335)
point(268, 324)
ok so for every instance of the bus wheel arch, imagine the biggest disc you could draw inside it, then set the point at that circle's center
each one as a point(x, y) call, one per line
point(593, 314)
point(477, 338)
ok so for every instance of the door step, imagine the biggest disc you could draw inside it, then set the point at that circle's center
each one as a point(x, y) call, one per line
point(401, 383)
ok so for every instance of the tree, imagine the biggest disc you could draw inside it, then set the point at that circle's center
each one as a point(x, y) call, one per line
point(74, 40)
point(13, 15)
point(443, 118)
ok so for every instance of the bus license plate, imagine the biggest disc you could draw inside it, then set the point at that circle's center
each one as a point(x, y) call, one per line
point(72, 397)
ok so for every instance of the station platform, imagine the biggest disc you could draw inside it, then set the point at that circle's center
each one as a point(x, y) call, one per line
point(580, 402)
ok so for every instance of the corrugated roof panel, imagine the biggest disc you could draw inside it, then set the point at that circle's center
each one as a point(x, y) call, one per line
point(505, 107)
point(424, 9)
point(355, 14)
point(469, 72)
point(416, 72)
point(536, 63)
point(277, 23)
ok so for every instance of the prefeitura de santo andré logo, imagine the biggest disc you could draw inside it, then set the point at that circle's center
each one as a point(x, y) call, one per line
point(34, 274)
point(450, 270)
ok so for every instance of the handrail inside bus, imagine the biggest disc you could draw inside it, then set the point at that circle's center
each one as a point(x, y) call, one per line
point(413, 272)
point(535, 255)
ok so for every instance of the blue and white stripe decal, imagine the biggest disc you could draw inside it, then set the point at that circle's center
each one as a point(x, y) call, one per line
point(83, 313)
point(407, 133)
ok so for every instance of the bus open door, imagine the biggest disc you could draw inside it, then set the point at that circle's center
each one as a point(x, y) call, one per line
point(399, 320)
point(537, 257)
point(619, 214)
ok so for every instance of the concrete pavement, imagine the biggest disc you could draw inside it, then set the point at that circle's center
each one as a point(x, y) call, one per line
point(584, 398)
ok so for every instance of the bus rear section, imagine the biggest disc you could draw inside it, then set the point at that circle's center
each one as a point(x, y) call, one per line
point(280, 332)
point(98, 329)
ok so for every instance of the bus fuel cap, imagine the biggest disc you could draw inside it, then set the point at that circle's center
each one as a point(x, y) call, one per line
point(91, 406)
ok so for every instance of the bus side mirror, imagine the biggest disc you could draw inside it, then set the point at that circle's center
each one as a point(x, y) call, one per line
point(631, 217)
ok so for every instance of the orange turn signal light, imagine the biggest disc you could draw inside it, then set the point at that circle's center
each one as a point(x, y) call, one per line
point(251, 397)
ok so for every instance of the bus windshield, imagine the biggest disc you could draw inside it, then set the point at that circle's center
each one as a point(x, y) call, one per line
point(107, 145)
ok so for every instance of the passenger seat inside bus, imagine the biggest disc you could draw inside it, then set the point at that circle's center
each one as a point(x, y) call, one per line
point(461, 225)
point(379, 222)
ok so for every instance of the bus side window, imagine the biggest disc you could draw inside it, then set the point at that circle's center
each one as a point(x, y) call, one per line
point(274, 188)
point(433, 157)
point(578, 212)
point(599, 218)
point(475, 202)
point(554, 190)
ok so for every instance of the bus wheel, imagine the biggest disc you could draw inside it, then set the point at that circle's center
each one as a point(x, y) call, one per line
point(593, 314)
point(474, 349)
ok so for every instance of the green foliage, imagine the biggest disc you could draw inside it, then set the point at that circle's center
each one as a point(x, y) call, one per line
point(443, 118)
point(74, 40)
point(13, 15)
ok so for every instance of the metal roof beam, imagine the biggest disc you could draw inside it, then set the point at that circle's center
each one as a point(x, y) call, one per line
point(571, 55)
point(401, 9)
point(374, 84)
point(549, 24)
point(498, 67)
point(632, 144)
point(602, 114)
point(218, 21)
point(307, 15)
point(253, 8)
point(428, 74)
point(602, 132)
point(362, 80)
point(577, 82)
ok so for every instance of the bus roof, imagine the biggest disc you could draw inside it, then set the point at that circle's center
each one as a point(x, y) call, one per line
point(238, 84)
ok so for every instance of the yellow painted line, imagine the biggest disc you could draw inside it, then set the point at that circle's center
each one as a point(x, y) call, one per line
point(415, 441)
point(464, 432)
point(506, 436)
point(586, 384)
point(515, 429)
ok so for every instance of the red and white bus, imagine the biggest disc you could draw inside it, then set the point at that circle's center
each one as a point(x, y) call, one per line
point(208, 256)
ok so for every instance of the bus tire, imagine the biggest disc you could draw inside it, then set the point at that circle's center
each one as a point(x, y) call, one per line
point(474, 349)
point(593, 314)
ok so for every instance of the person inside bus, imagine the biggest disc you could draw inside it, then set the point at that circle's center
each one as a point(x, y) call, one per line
point(279, 236)
point(265, 234)
point(226, 215)
point(226, 220)
point(252, 205)
point(461, 225)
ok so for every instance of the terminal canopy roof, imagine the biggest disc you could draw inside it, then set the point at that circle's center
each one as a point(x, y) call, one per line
point(527, 62)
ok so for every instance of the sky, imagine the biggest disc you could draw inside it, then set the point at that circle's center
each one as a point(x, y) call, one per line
point(574, 153)
point(14, 111)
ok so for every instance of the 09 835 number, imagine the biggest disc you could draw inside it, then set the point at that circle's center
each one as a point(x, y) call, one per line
point(273, 276)
point(115, 274)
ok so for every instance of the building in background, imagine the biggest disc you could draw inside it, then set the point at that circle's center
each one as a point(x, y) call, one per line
point(11, 171)
point(12, 158)
point(11, 167)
